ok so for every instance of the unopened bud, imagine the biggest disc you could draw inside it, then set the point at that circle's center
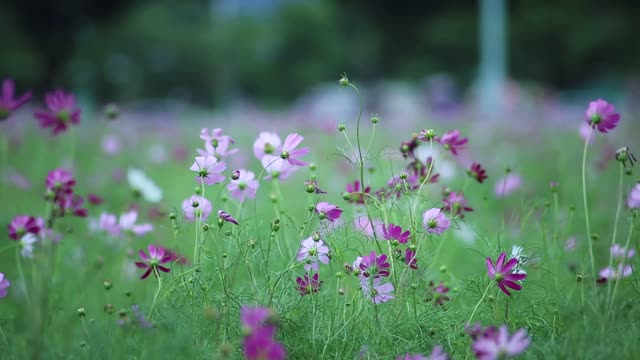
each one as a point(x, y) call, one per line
point(108, 285)
point(112, 111)
point(173, 216)
point(341, 127)
point(344, 81)
point(346, 196)
point(235, 175)
point(205, 227)
point(82, 312)
point(374, 119)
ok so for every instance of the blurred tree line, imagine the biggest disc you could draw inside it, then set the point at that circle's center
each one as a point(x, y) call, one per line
point(126, 49)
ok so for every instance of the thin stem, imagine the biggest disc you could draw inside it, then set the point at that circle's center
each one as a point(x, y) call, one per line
point(615, 227)
point(155, 297)
point(479, 302)
point(621, 267)
point(586, 209)
point(21, 273)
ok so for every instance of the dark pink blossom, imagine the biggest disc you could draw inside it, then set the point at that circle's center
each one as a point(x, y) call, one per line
point(374, 265)
point(154, 261)
point(410, 259)
point(224, 216)
point(452, 141)
point(503, 273)
point(456, 204)
point(394, 232)
point(61, 113)
point(328, 211)
point(60, 180)
point(4, 285)
point(21, 225)
point(477, 172)
point(308, 285)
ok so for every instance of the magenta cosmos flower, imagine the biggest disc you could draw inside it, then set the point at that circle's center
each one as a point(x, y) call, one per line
point(410, 258)
point(477, 172)
point(4, 285)
point(62, 112)
point(196, 206)
point(267, 143)
point(356, 195)
point(440, 293)
point(154, 261)
point(289, 151)
point(435, 221)
point(8, 103)
point(253, 318)
point(308, 285)
point(21, 225)
point(224, 217)
point(633, 200)
point(452, 141)
point(456, 204)
point(312, 252)
point(328, 211)
point(500, 345)
point(259, 342)
point(245, 186)
point(503, 273)
point(374, 265)
point(602, 116)
point(394, 232)
point(208, 169)
point(60, 180)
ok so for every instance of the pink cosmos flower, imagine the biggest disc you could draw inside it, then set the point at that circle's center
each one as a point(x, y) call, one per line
point(208, 169)
point(620, 252)
point(328, 211)
point(224, 217)
point(394, 232)
point(267, 143)
point(109, 223)
point(128, 223)
point(602, 116)
point(8, 103)
point(245, 186)
point(216, 144)
point(633, 200)
point(477, 172)
point(289, 151)
point(503, 273)
point(154, 261)
point(508, 184)
point(374, 265)
point(311, 252)
point(621, 271)
point(308, 285)
point(357, 196)
point(196, 206)
point(259, 342)
point(277, 167)
point(452, 141)
point(456, 204)
point(501, 345)
point(378, 292)
point(435, 221)
point(21, 225)
point(4, 285)
point(439, 293)
point(253, 318)
point(62, 112)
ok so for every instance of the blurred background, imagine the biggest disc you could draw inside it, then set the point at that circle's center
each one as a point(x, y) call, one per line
point(216, 53)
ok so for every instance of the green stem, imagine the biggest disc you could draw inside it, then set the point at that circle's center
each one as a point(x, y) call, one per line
point(615, 227)
point(155, 297)
point(475, 309)
point(621, 268)
point(586, 210)
point(21, 273)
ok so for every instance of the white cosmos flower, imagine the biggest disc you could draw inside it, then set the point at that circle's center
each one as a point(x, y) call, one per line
point(139, 181)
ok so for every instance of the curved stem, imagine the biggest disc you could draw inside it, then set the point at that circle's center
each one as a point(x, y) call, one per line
point(615, 226)
point(155, 297)
point(475, 309)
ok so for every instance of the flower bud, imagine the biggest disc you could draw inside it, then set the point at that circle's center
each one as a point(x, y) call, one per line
point(316, 236)
point(341, 127)
point(82, 312)
point(313, 166)
point(205, 227)
point(173, 216)
point(112, 111)
point(235, 175)
point(108, 308)
point(275, 225)
point(197, 190)
point(346, 196)
point(374, 119)
point(107, 284)
point(344, 81)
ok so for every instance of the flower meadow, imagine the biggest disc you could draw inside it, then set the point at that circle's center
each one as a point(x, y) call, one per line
point(289, 240)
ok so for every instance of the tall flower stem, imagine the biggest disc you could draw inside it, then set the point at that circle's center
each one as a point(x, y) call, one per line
point(475, 309)
point(155, 297)
point(586, 209)
point(615, 226)
point(22, 278)
point(621, 268)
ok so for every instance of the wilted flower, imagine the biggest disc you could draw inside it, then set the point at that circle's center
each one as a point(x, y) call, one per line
point(328, 211)
point(245, 186)
point(394, 232)
point(154, 261)
point(503, 273)
point(500, 345)
point(8, 103)
point(196, 206)
point(435, 221)
point(602, 116)
point(308, 285)
point(61, 112)
point(311, 252)
point(4, 285)
point(226, 217)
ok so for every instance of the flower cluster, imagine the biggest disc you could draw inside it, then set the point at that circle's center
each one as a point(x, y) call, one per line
point(125, 224)
point(622, 255)
point(60, 184)
point(371, 271)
